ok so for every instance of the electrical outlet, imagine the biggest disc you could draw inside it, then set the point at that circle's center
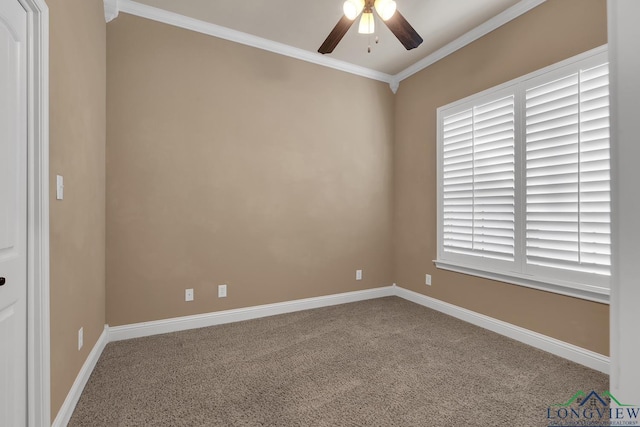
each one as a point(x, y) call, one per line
point(222, 291)
point(80, 338)
point(427, 280)
point(358, 274)
point(188, 295)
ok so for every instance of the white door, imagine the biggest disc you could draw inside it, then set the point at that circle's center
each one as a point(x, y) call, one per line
point(13, 214)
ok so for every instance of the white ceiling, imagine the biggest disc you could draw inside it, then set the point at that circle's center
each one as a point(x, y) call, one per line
point(305, 24)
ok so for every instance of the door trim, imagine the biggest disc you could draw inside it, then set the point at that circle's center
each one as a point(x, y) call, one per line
point(38, 347)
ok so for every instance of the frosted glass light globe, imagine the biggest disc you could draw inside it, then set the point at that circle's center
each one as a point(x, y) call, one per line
point(385, 8)
point(352, 8)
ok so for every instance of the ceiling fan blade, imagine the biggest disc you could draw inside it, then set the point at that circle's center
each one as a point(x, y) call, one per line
point(336, 35)
point(403, 31)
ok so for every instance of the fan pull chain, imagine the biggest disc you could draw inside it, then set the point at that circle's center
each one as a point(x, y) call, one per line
point(377, 41)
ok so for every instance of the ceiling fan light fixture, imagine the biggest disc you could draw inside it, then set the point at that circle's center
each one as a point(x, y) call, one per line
point(352, 8)
point(385, 8)
point(367, 26)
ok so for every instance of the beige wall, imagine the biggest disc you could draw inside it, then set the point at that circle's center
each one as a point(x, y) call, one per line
point(228, 164)
point(556, 30)
point(77, 151)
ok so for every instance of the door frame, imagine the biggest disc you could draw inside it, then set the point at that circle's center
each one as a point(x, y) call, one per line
point(38, 341)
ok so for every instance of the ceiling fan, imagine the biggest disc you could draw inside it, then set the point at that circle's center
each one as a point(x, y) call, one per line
point(386, 10)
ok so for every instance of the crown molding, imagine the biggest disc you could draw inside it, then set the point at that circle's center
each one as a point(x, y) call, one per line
point(394, 84)
point(110, 10)
point(496, 22)
point(113, 7)
point(181, 21)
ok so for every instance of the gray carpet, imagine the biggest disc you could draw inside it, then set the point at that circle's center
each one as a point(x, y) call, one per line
point(384, 362)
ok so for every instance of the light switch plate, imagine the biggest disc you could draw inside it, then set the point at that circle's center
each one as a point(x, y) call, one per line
point(59, 187)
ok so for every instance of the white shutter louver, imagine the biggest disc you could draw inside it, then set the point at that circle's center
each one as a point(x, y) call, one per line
point(479, 181)
point(567, 173)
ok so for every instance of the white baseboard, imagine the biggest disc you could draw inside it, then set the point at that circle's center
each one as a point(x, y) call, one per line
point(144, 329)
point(568, 351)
point(559, 348)
point(65, 412)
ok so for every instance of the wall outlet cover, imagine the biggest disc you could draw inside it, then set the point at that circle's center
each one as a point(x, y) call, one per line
point(222, 291)
point(188, 295)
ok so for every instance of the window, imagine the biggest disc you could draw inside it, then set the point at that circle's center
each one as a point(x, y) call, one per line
point(524, 180)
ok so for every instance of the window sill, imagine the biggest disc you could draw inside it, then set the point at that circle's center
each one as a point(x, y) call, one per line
point(586, 292)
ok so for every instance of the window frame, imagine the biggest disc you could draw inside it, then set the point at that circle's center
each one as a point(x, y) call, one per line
point(566, 282)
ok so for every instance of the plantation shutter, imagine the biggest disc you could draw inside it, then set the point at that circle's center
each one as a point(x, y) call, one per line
point(567, 173)
point(458, 182)
point(595, 177)
point(479, 181)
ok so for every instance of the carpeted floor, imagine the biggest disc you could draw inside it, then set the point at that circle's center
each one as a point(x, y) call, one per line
point(384, 362)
